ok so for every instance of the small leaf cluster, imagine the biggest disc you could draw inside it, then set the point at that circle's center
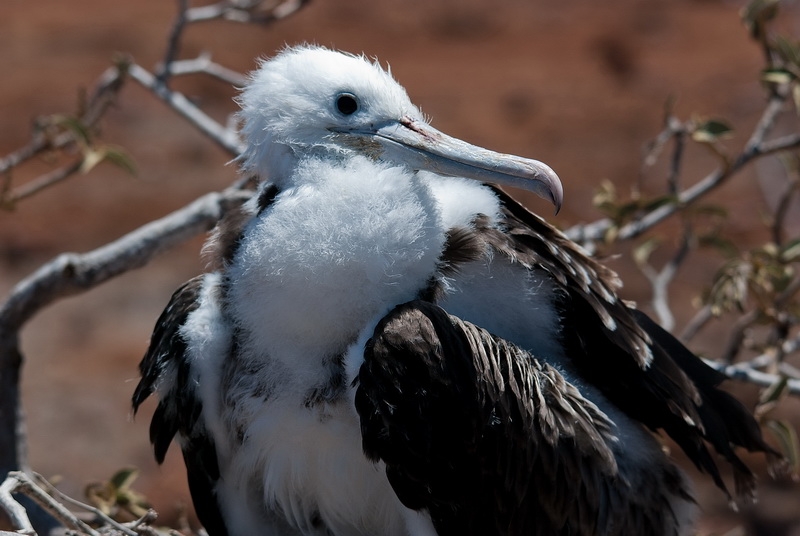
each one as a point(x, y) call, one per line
point(115, 497)
point(783, 53)
point(86, 139)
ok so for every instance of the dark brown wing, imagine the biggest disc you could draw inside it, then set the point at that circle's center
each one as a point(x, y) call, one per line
point(491, 441)
point(638, 366)
point(166, 367)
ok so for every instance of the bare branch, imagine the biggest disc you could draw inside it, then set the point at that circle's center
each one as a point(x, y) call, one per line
point(71, 273)
point(203, 65)
point(755, 147)
point(736, 338)
point(19, 482)
point(9, 199)
point(57, 494)
point(743, 372)
point(173, 43)
point(225, 137)
point(15, 511)
point(660, 279)
point(34, 147)
point(782, 209)
point(245, 11)
point(673, 128)
point(698, 321)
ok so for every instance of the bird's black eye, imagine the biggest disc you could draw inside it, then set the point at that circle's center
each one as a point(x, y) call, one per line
point(346, 103)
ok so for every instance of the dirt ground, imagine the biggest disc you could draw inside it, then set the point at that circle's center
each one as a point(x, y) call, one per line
point(580, 85)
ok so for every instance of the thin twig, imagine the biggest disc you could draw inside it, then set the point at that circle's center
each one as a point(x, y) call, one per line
point(751, 375)
point(697, 322)
point(660, 279)
point(173, 43)
point(755, 147)
point(736, 338)
point(784, 202)
point(245, 13)
point(106, 89)
point(226, 138)
point(38, 143)
point(72, 273)
point(203, 65)
point(57, 494)
point(16, 512)
point(38, 184)
point(22, 484)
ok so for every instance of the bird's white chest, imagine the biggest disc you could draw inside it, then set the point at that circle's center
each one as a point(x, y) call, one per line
point(310, 477)
point(328, 256)
point(313, 272)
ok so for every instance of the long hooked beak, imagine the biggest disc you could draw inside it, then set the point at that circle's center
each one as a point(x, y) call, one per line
point(422, 147)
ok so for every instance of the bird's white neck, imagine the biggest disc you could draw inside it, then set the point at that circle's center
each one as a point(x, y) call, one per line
point(342, 243)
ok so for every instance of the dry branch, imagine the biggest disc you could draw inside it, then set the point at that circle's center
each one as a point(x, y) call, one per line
point(106, 91)
point(72, 273)
point(225, 137)
point(756, 146)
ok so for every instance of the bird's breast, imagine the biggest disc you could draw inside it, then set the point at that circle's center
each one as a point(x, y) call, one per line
point(330, 254)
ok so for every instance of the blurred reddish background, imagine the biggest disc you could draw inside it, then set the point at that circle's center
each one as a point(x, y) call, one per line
point(580, 85)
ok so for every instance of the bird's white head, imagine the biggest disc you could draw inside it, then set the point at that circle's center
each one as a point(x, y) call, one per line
point(309, 100)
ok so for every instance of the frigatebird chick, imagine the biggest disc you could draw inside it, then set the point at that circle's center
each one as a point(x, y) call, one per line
point(391, 345)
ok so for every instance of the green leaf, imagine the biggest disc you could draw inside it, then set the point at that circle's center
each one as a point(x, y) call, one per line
point(786, 435)
point(774, 392)
point(777, 76)
point(123, 478)
point(117, 156)
point(714, 241)
point(642, 252)
point(75, 125)
point(757, 13)
point(791, 251)
point(711, 131)
point(708, 209)
point(120, 158)
point(626, 211)
point(659, 201)
point(789, 50)
point(796, 98)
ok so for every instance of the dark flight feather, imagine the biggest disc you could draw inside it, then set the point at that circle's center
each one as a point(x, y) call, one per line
point(178, 410)
point(492, 441)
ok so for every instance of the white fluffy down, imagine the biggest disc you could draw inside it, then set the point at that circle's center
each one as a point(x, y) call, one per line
point(284, 114)
point(330, 254)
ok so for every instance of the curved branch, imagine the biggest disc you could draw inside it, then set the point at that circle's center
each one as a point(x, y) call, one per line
point(71, 273)
point(755, 147)
point(750, 375)
point(226, 138)
point(244, 12)
point(203, 64)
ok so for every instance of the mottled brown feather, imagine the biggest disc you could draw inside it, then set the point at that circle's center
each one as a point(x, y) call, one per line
point(507, 446)
point(660, 383)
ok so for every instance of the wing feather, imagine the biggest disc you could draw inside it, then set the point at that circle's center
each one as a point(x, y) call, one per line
point(166, 369)
point(468, 423)
point(637, 365)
